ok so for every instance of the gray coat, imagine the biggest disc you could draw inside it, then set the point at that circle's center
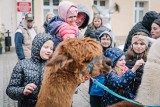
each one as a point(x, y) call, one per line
point(28, 71)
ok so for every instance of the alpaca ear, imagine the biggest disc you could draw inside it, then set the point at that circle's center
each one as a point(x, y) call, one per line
point(56, 60)
point(61, 62)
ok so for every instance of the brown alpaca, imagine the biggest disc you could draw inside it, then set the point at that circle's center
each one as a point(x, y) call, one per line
point(63, 71)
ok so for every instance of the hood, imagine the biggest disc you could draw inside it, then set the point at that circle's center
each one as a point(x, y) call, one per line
point(54, 25)
point(83, 9)
point(111, 36)
point(63, 8)
point(149, 18)
point(37, 43)
point(106, 32)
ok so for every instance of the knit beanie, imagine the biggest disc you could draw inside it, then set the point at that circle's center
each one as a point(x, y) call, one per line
point(73, 11)
point(140, 38)
point(114, 54)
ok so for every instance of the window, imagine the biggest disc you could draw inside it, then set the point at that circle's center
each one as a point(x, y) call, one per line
point(55, 11)
point(46, 2)
point(50, 6)
point(45, 11)
point(95, 2)
point(140, 8)
point(101, 3)
point(55, 2)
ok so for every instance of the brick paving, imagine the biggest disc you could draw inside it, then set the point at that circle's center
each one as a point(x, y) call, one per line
point(8, 61)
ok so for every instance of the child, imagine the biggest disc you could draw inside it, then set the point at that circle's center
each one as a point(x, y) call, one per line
point(64, 25)
point(27, 75)
point(119, 78)
point(105, 39)
point(138, 50)
point(100, 67)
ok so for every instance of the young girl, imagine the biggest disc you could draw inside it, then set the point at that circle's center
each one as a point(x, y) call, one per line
point(64, 25)
point(95, 28)
point(100, 67)
point(27, 75)
point(138, 50)
point(119, 78)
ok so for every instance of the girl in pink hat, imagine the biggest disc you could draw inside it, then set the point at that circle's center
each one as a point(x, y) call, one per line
point(64, 25)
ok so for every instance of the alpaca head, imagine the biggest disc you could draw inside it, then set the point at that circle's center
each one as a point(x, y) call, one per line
point(101, 66)
point(72, 56)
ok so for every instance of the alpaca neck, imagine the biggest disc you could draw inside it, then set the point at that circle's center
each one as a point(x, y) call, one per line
point(58, 91)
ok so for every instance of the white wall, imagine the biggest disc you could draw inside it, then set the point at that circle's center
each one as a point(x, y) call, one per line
point(8, 16)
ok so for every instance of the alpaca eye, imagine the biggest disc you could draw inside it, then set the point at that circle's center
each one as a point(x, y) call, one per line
point(86, 61)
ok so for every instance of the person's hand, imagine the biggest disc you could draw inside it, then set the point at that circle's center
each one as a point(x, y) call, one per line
point(29, 88)
point(137, 64)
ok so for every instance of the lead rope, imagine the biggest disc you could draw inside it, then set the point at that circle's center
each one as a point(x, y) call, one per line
point(117, 95)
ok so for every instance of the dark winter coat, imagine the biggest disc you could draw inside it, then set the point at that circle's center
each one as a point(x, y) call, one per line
point(28, 71)
point(90, 32)
point(119, 85)
point(53, 29)
point(143, 26)
point(139, 72)
point(45, 25)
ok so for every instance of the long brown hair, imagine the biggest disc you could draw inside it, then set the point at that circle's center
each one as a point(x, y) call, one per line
point(130, 53)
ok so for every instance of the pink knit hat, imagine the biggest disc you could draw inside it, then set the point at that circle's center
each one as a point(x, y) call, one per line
point(140, 38)
point(73, 11)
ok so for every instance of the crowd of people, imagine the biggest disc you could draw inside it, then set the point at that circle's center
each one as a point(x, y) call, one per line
point(34, 49)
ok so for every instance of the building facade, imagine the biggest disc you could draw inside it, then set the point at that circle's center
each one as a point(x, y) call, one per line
point(130, 12)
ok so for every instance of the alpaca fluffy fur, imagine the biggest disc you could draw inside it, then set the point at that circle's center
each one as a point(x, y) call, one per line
point(149, 90)
point(101, 66)
point(63, 71)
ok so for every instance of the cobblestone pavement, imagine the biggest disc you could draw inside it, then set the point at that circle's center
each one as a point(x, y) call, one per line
point(82, 98)
point(8, 61)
